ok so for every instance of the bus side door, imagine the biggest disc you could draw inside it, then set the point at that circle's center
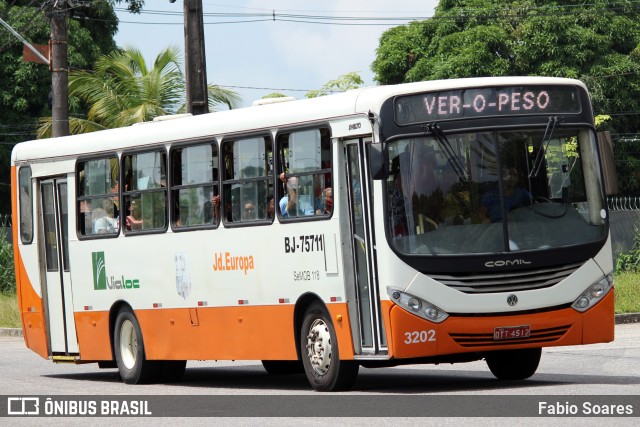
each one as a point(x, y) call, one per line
point(369, 337)
point(57, 294)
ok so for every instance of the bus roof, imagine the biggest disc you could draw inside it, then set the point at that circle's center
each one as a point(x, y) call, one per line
point(252, 119)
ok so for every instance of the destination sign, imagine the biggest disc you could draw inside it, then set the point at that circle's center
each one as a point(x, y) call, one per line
point(486, 102)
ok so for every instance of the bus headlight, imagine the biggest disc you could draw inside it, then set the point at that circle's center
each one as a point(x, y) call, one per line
point(593, 294)
point(414, 304)
point(417, 306)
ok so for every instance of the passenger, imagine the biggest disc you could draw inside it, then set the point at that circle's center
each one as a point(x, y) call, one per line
point(116, 200)
point(271, 207)
point(398, 208)
point(248, 211)
point(327, 206)
point(289, 202)
point(514, 196)
point(425, 194)
point(212, 210)
point(134, 219)
point(106, 220)
point(422, 177)
point(456, 205)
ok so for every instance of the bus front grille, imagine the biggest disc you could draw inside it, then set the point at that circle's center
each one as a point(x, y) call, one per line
point(538, 336)
point(511, 281)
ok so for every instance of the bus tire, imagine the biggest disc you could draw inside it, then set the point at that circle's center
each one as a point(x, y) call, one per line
point(129, 350)
point(514, 364)
point(283, 367)
point(320, 354)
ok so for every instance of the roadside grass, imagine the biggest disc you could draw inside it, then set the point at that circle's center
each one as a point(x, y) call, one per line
point(627, 300)
point(627, 288)
point(9, 315)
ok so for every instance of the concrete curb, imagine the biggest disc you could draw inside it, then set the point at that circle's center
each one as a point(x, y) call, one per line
point(10, 332)
point(620, 320)
point(627, 318)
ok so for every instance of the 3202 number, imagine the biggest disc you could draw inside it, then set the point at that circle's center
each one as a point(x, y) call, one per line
point(417, 337)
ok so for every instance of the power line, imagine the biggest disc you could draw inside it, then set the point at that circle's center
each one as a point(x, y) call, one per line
point(328, 19)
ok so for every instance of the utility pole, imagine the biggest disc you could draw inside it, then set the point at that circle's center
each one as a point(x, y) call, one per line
point(59, 70)
point(194, 58)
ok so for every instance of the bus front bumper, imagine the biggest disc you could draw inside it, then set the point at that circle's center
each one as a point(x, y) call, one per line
point(413, 337)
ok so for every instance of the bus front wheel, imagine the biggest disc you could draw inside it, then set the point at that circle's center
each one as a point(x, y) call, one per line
point(129, 350)
point(320, 357)
point(514, 364)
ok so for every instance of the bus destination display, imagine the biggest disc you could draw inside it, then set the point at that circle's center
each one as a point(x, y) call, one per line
point(486, 102)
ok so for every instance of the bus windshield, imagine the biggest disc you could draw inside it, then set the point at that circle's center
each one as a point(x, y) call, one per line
point(494, 192)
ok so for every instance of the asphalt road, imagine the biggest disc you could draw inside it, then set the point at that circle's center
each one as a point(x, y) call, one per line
point(243, 389)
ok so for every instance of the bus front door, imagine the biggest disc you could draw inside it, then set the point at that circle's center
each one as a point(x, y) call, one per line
point(369, 335)
point(57, 294)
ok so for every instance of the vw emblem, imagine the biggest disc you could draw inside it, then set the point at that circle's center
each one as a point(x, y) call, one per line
point(512, 300)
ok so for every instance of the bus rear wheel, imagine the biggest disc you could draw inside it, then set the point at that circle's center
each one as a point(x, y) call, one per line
point(129, 350)
point(514, 364)
point(320, 356)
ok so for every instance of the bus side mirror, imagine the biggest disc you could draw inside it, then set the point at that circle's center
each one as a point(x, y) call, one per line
point(605, 147)
point(378, 161)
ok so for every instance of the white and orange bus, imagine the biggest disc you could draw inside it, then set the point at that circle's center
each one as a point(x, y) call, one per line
point(442, 221)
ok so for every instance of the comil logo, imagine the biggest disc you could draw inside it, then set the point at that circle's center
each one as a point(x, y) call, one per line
point(99, 271)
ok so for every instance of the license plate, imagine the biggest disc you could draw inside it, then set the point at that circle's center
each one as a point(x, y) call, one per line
point(511, 332)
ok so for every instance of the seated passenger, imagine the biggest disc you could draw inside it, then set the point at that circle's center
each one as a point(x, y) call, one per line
point(514, 196)
point(326, 202)
point(249, 212)
point(398, 209)
point(456, 205)
point(106, 221)
point(270, 207)
point(134, 219)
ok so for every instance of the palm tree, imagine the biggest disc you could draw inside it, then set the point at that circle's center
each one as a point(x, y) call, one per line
point(122, 90)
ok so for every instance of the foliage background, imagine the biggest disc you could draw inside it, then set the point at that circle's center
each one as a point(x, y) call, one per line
point(597, 42)
point(7, 272)
point(25, 87)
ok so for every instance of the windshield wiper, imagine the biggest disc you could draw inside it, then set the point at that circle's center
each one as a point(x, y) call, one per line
point(542, 152)
point(454, 161)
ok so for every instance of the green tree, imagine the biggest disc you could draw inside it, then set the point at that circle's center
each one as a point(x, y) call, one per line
point(274, 95)
point(123, 90)
point(24, 86)
point(343, 83)
point(596, 42)
point(7, 272)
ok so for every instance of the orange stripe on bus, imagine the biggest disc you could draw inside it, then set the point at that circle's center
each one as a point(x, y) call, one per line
point(210, 333)
point(92, 329)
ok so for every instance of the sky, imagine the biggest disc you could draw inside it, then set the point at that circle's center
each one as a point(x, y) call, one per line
point(274, 56)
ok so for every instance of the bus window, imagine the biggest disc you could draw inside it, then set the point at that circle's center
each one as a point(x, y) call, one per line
point(98, 197)
point(194, 185)
point(145, 192)
point(26, 205)
point(305, 166)
point(248, 179)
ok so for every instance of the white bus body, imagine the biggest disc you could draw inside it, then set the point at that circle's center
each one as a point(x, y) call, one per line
point(327, 289)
